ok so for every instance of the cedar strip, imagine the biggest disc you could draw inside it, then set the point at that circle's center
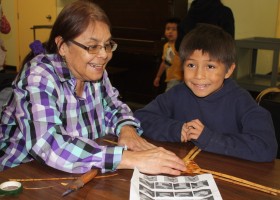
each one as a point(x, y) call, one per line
point(109, 141)
point(192, 151)
point(56, 179)
point(245, 185)
point(195, 154)
point(106, 176)
point(42, 179)
point(38, 188)
point(240, 180)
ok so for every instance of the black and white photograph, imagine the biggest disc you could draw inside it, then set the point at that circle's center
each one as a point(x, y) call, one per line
point(208, 198)
point(164, 194)
point(183, 194)
point(144, 196)
point(191, 178)
point(180, 186)
point(146, 190)
point(147, 183)
point(200, 184)
point(163, 185)
point(202, 193)
point(150, 178)
point(170, 179)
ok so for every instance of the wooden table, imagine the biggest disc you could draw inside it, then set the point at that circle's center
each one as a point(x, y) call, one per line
point(118, 187)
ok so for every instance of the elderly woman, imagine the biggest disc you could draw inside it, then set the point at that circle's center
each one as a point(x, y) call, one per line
point(62, 100)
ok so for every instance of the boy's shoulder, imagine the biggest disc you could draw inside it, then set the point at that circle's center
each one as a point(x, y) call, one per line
point(233, 91)
point(169, 45)
point(166, 44)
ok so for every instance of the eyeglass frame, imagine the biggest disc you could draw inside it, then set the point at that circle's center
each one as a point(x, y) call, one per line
point(113, 45)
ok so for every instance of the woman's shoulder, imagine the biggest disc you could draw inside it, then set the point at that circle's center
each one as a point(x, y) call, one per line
point(49, 65)
point(237, 94)
point(42, 66)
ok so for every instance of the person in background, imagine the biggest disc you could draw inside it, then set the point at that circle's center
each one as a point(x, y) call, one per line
point(5, 28)
point(170, 59)
point(208, 12)
point(62, 100)
point(5, 78)
point(209, 109)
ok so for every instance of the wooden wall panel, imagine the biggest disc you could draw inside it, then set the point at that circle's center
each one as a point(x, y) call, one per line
point(138, 28)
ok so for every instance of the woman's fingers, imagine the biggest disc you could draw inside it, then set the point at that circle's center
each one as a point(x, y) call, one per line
point(153, 161)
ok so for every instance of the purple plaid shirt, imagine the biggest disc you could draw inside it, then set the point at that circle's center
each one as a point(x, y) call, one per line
point(45, 120)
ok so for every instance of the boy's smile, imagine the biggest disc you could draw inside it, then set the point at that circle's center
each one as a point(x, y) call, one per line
point(203, 75)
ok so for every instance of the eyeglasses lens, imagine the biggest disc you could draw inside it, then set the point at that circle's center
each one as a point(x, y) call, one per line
point(112, 46)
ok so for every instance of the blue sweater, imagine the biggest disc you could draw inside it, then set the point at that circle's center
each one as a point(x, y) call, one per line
point(235, 125)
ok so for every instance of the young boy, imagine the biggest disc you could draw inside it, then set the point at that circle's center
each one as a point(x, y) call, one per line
point(170, 58)
point(209, 108)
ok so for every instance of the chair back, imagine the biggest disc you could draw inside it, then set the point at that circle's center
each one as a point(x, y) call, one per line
point(269, 99)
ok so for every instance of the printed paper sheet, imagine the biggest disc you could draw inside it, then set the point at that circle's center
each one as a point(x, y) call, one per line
point(149, 187)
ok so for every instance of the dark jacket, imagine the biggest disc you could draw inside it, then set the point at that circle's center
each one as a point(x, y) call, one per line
point(209, 12)
point(235, 124)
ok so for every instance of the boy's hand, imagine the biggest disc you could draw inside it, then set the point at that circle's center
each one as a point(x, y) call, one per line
point(191, 130)
point(156, 81)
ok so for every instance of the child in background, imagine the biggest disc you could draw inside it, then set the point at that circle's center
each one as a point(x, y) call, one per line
point(170, 58)
point(210, 109)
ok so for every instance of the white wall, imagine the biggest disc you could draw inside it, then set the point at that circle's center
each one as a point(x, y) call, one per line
point(254, 17)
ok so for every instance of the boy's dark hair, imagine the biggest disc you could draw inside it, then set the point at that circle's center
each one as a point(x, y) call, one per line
point(174, 20)
point(210, 39)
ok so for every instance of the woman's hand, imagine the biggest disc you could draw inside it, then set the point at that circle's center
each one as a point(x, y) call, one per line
point(128, 137)
point(153, 161)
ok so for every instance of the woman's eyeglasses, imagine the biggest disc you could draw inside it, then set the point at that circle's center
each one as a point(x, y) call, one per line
point(94, 49)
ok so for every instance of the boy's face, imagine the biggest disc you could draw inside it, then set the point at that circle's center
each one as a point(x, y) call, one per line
point(171, 32)
point(203, 75)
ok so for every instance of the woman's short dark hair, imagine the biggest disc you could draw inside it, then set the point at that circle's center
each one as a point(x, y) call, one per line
point(210, 39)
point(70, 23)
point(73, 21)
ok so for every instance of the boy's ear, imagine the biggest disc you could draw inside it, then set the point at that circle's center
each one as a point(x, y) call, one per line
point(230, 71)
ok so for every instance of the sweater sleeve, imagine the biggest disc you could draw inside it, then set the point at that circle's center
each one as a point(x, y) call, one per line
point(254, 139)
point(157, 121)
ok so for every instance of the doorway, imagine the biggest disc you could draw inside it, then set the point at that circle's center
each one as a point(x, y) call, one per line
point(35, 17)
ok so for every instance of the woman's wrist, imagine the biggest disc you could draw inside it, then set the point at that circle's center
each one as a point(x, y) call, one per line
point(125, 163)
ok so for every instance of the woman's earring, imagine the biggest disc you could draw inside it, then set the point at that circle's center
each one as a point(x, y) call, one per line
point(64, 62)
point(64, 59)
